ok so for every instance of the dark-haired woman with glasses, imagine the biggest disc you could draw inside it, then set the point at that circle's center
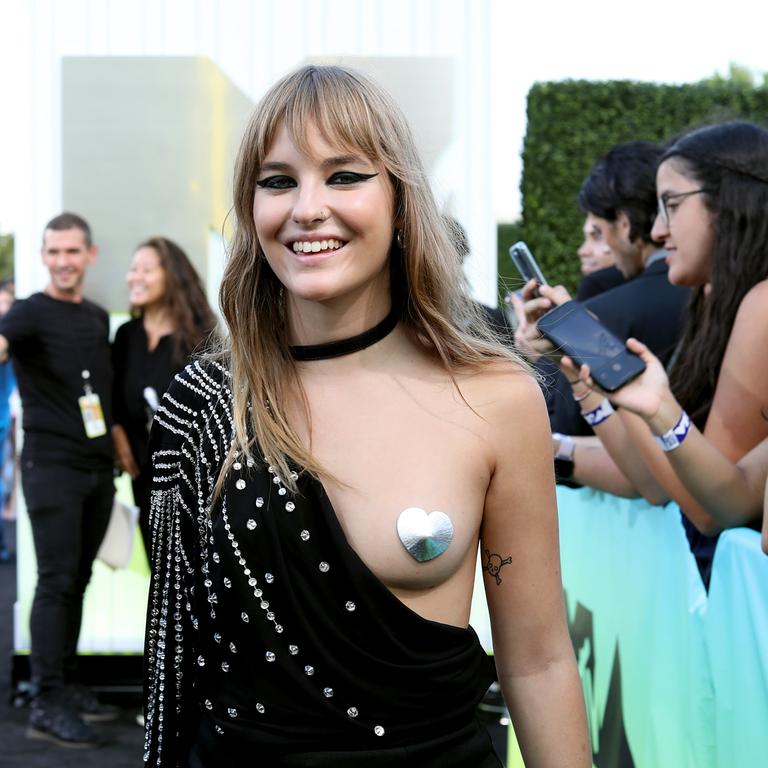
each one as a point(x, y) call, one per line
point(713, 198)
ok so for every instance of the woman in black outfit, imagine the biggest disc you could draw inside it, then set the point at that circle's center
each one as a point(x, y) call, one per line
point(321, 487)
point(171, 317)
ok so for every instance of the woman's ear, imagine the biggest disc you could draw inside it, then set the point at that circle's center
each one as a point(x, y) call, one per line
point(623, 224)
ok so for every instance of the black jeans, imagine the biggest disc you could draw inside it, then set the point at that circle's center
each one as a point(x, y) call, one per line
point(69, 511)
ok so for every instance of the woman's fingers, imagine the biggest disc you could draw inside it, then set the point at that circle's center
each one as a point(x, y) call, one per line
point(633, 345)
point(519, 309)
point(528, 312)
point(530, 289)
point(556, 294)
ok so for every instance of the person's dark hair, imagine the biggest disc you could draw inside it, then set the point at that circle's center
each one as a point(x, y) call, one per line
point(457, 234)
point(624, 179)
point(184, 298)
point(730, 161)
point(69, 221)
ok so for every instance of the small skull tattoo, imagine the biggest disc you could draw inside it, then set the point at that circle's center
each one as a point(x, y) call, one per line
point(495, 564)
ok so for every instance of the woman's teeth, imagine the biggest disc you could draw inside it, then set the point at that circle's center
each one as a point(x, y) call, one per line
point(315, 246)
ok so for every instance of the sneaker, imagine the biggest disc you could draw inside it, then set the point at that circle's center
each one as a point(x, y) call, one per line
point(53, 719)
point(83, 700)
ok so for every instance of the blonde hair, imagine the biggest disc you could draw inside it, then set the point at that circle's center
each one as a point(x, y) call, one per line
point(354, 113)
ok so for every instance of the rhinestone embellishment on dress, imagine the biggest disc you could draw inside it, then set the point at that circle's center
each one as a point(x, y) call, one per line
point(425, 536)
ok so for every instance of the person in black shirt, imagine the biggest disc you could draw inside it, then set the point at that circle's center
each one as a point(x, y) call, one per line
point(59, 343)
point(171, 317)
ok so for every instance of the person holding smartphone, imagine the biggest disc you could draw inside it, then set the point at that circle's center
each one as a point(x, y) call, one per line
point(733, 493)
point(619, 198)
point(713, 194)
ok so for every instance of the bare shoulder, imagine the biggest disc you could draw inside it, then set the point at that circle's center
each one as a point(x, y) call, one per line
point(500, 386)
point(508, 400)
point(754, 308)
point(749, 334)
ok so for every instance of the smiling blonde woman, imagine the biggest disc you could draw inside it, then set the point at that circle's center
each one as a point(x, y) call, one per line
point(322, 485)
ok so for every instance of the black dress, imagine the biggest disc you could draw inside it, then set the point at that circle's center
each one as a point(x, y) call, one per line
point(269, 641)
point(136, 368)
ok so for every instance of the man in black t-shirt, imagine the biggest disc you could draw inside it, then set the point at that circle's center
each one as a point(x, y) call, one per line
point(59, 343)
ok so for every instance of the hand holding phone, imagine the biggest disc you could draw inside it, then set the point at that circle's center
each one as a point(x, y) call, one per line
point(579, 334)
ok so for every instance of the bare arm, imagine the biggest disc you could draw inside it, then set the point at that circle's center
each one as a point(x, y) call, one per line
point(714, 491)
point(765, 521)
point(593, 466)
point(534, 656)
point(737, 419)
point(123, 452)
point(731, 493)
point(615, 464)
point(3, 349)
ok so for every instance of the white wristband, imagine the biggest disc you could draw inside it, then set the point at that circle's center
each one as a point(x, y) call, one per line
point(673, 437)
point(598, 415)
point(565, 448)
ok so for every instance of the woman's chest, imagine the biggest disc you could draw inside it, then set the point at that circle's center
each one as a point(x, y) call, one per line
point(408, 471)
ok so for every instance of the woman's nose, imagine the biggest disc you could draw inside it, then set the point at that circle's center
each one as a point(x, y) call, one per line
point(660, 229)
point(309, 206)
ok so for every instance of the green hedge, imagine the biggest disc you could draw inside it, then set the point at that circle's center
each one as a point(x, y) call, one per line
point(571, 124)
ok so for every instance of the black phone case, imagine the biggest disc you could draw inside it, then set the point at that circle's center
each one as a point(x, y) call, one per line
point(612, 365)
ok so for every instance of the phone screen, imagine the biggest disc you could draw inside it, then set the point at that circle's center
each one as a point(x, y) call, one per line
point(576, 333)
point(587, 339)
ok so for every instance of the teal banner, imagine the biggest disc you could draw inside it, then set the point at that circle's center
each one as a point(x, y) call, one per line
point(672, 676)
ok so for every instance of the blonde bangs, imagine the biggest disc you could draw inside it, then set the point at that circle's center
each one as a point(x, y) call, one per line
point(350, 112)
point(355, 115)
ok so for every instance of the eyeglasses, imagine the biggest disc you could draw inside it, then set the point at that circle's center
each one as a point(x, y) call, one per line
point(664, 210)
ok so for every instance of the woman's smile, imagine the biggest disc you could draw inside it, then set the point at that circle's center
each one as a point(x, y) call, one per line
point(325, 220)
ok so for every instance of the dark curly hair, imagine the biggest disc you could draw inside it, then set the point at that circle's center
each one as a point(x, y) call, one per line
point(184, 298)
point(730, 161)
point(624, 179)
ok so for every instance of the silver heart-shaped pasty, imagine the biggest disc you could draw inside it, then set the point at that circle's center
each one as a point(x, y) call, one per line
point(425, 536)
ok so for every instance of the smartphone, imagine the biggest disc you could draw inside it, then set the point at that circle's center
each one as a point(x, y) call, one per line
point(579, 334)
point(525, 263)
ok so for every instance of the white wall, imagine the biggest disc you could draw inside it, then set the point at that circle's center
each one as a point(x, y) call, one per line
point(253, 42)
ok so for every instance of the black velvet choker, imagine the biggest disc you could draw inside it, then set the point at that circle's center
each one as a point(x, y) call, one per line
point(348, 346)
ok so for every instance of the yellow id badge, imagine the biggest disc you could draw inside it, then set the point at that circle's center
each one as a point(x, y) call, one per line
point(93, 416)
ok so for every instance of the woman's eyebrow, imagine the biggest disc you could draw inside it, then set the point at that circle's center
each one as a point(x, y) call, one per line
point(275, 165)
point(333, 162)
point(278, 166)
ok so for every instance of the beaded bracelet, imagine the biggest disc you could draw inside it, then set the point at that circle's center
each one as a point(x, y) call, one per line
point(582, 396)
point(598, 415)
